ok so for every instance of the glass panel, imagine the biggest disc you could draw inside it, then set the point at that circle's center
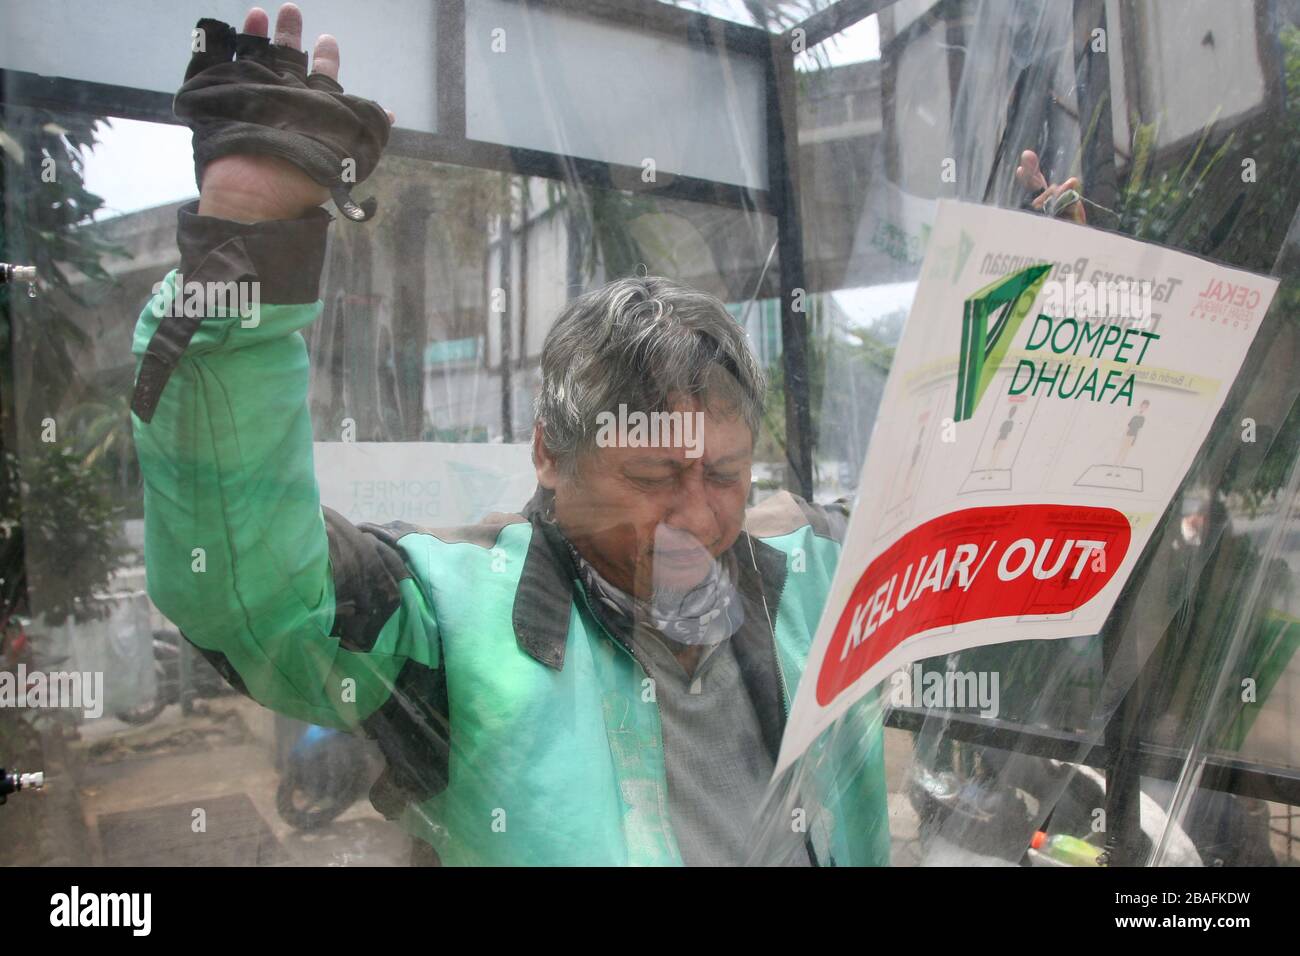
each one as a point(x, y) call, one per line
point(419, 415)
point(1168, 113)
point(534, 79)
point(395, 67)
point(335, 493)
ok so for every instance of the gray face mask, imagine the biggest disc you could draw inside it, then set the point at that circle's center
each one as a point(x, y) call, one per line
point(704, 613)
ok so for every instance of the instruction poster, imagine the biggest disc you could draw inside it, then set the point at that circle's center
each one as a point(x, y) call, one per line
point(1052, 387)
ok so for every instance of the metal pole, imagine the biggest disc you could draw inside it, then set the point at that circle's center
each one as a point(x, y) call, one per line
point(783, 179)
point(504, 286)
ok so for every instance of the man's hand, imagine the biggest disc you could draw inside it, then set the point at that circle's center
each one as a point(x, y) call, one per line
point(1030, 175)
point(253, 188)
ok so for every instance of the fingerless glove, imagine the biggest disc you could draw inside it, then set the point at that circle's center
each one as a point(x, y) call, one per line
point(244, 94)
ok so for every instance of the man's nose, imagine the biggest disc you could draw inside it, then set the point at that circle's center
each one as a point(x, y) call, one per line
point(692, 511)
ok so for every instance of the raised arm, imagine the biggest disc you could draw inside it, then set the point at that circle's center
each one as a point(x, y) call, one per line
point(305, 612)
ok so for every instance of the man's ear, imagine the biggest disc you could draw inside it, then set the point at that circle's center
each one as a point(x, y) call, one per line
point(548, 472)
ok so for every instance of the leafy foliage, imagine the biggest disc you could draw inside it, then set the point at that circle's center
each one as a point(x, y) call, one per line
point(70, 527)
point(58, 526)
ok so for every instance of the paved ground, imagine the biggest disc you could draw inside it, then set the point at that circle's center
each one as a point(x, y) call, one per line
point(139, 788)
point(123, 795)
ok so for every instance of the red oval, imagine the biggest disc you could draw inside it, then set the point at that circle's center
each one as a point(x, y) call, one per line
point(932, 605)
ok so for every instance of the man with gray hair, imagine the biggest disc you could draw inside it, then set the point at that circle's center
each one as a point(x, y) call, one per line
point(602, 678)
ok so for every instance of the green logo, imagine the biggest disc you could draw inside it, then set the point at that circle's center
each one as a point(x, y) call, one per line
point(989, 322)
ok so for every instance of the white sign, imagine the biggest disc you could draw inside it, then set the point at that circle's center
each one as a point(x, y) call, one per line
point(427, 484)
point(1052, 388)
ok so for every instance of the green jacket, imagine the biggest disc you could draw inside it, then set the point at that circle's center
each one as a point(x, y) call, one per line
point(512, 715)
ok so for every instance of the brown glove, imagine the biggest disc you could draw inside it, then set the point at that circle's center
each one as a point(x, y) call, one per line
point(245, 94)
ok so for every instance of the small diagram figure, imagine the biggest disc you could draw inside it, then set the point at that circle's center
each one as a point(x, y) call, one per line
point(916, 449)
point(909, 479)
point(1004, 430)
point(1002, 440)
point(1116, 475)
point(1130, 436)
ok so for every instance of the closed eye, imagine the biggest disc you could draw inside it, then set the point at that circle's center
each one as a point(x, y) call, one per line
point(654, 482)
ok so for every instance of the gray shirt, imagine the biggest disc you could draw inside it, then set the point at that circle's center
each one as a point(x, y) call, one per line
point(718, 767)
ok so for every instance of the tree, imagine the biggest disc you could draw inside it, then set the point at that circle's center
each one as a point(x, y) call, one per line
point(58, 526)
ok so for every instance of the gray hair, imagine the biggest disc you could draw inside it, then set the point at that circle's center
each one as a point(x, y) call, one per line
point(647, 342)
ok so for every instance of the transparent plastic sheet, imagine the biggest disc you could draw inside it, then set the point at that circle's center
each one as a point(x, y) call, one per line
point(424, 367)
point(413, 349)
point(1210, 607)
point(1221, 710)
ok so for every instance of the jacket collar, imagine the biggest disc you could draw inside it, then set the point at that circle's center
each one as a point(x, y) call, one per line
point(546, 588)
point(761, 581)
point(548, 583)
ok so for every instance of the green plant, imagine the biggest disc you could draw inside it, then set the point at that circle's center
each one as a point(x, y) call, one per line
point(70, 530)
point(1167, 204)
point(58, 529)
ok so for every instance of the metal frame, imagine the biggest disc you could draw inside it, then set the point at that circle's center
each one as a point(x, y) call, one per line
point(1122, 754)
point(783, 190)
point(1241, 777)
